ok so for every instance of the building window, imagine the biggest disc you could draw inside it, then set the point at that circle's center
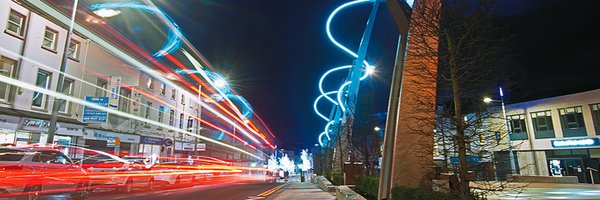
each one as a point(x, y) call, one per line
point(171, 117)
point(518, 128)
point(596, 116)
point(125, 95)
point(182, 99)
point(150, 84)
point(43, 80)
point(102, 87)
point(50, 37)
point(163, 89)
point(16, 23)
point(161, 110)
point(73, 52)
point(571, 120)
point(190, 123)
point(68, 87)
point(173, 94)
point(181, 119)
point(542, 123)
point(8, 69)
point(147, 113)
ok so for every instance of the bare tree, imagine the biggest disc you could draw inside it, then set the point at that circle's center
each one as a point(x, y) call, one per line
point(460, 38)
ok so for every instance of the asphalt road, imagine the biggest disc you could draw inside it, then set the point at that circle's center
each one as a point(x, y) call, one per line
point(221, 191)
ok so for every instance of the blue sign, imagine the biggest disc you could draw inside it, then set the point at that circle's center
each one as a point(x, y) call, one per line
point(576, 142)
point(151, 140)
point(93, 115)
point(470, 160)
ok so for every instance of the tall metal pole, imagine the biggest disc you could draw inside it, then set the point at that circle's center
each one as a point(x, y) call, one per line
point(511, 157)
point(61, 77)
point(199, 115)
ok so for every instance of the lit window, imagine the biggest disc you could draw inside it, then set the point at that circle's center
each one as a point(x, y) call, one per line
point(542, 124)
point(50, 37)
point(73, 52)
point(150, 84)
point(43, 79)
point(7, 68)
point(517, 123)
point(16, 22)
point(63, 105)
point(571, 118)
point(163, 89)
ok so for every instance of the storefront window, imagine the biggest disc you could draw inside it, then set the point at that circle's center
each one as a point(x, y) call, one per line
point(596, 116)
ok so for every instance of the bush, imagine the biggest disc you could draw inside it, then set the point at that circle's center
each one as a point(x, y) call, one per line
point(403, 193)
point(368, 186)
point(337, 179)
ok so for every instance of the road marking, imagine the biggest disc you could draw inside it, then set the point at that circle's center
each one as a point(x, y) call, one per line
point(272, 190)
point(254, 198)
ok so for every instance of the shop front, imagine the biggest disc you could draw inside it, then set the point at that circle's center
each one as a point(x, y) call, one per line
point(183, 149)
point(120, 144)
point(151, 146)
point(575, 157)
point(34, 132)
point(8, 127)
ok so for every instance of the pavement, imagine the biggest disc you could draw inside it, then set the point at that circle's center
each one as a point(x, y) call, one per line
point(522, 191)
point(301, 190)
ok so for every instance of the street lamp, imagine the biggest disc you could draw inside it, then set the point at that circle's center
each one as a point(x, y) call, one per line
point(61, 78)
point(106, 13)
point(377, 128)
point(510, 149)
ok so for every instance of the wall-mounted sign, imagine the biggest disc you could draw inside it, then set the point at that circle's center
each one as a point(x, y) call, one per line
point(106, 135)
point(115, 87)
point(201, 147)
point(93, 115)
point(576, 142)
point(151, 140)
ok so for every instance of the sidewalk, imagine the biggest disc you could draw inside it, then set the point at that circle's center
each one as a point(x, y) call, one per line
point(302, 190)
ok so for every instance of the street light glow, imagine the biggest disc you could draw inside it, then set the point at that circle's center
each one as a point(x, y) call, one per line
point(106, 13)
point(370, 70)
point(487, 100)
point(377, 128)
point(220, 83)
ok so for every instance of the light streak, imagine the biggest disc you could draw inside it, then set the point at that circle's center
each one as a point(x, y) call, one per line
point(22, 84)
point(127, 57)
point(323, 78)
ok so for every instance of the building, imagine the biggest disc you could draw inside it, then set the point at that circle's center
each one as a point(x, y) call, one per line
point(98, 70)
point(557, 136)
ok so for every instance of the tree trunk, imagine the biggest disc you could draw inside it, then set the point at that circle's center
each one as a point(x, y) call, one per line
point(465, 193)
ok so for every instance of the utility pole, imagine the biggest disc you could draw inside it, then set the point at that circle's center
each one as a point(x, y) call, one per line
point(61, 77)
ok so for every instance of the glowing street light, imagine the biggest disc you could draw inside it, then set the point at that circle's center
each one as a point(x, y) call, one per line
point(377, 128)
point(510, 147)
point(106, 13)
point(370, 70)
point(220, 83)
point(487, 100)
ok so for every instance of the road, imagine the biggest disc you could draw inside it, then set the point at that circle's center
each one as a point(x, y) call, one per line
point(222, 191)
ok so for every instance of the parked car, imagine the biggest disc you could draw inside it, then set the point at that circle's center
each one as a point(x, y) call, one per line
point(31, 172)
point(111, 172)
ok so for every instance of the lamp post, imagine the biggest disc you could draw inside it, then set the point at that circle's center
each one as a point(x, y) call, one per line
point(511, 156)
point(61, 78)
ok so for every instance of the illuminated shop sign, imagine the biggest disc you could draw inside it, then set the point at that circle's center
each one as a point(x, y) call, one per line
point(581, 142)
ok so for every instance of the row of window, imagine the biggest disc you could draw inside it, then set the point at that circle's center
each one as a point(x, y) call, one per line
point(161, 110)
point(571, 120)
point(16, 26)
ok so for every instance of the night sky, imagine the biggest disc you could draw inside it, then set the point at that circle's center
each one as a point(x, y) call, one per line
point(274, 52)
